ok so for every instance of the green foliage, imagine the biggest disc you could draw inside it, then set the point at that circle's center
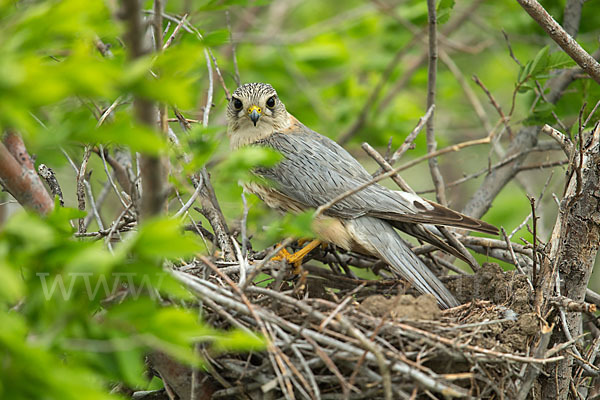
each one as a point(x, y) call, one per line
point(543, 63)
point(65, 284)
point(239, 165)
point(444, 9)
point(66, 330)
point(294, 225)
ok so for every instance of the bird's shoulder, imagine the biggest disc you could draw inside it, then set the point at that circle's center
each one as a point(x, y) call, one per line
point(298, 143)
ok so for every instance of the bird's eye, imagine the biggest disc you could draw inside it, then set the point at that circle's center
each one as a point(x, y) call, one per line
point(271, 102)
point(237, 104)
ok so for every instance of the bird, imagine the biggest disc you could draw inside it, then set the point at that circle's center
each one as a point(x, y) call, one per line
point(314, 169)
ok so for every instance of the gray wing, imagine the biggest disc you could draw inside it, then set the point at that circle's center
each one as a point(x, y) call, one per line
point(315, 170)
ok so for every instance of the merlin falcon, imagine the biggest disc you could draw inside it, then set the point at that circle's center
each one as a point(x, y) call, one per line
point(315, 169)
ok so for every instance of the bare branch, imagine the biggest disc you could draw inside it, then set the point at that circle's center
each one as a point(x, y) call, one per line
point(23, 183)
point(436, 175)
point(81, 187)
point(152, 166)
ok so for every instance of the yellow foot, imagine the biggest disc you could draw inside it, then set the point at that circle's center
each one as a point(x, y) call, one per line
point(296, 259)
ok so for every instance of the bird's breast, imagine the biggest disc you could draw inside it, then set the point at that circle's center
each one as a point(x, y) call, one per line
point(274, 198)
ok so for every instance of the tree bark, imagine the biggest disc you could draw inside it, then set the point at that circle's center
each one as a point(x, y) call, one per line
point(572, 251)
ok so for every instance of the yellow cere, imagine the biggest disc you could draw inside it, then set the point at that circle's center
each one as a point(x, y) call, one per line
point(257, 108)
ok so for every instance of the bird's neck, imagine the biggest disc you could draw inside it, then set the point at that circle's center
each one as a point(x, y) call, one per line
point(243, 134)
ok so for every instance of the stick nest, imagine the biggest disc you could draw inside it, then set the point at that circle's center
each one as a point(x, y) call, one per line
point(332, 336)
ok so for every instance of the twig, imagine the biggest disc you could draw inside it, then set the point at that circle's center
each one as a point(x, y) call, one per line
point(434, 169)
point(272, 349)
point(95, 211)
point(510, 50)
point(431, 381)
point(175, 32)
point(209, 95)
point(244, 222)
point(564, 142)
point(212, 211)
point(189, 203)
point(81, 186)
point(386, 167)
point(408, 142)
point(514, 257)
point(219, 75)
point(407, 74)
point(541, 196)
point(572, 305)
point(533, 369)
point(591, 114)
point(233, 52)
point(469, 93)
point(108, 111)
point(505, 120)
point(542, 147)
point(264, 261)
point(109, 175)
point(534, 223)
point(97, 203)
point(550, 164)
point(449, 149)
point(115, 225)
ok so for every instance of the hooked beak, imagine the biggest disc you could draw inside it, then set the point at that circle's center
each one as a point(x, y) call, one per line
point(254, 113)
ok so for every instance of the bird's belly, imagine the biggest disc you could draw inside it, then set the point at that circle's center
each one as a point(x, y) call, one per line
point(339, 232)
point(328, 229)
point(273, 198)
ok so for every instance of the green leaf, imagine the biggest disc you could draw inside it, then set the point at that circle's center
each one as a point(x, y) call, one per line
point(131, 365)
point(524, 88)
point(201, 143)
point(294, 225)
point(11, 284)
point(542, 114)
point(540, 61)
point(216, 38)
point(163, 237)
point(239, 164)
point(444, 9)
point(238, 340)
point(558, 60)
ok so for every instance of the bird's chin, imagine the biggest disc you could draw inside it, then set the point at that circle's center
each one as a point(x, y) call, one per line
point(246, 133)
point(260, 126)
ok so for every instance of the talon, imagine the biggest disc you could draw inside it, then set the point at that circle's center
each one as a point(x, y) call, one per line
point(297, 258)
point(283, 254)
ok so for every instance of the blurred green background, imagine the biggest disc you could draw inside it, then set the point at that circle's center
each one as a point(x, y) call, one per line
point(325, 59)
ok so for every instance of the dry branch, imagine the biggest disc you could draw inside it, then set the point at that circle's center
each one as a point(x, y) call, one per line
point(152, 166)
point(573, 247)
point(19, 177)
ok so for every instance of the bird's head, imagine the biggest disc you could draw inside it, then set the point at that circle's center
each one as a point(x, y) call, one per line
point(254, 112)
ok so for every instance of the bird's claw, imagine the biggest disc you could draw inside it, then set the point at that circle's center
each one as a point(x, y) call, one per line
point(296, 259)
